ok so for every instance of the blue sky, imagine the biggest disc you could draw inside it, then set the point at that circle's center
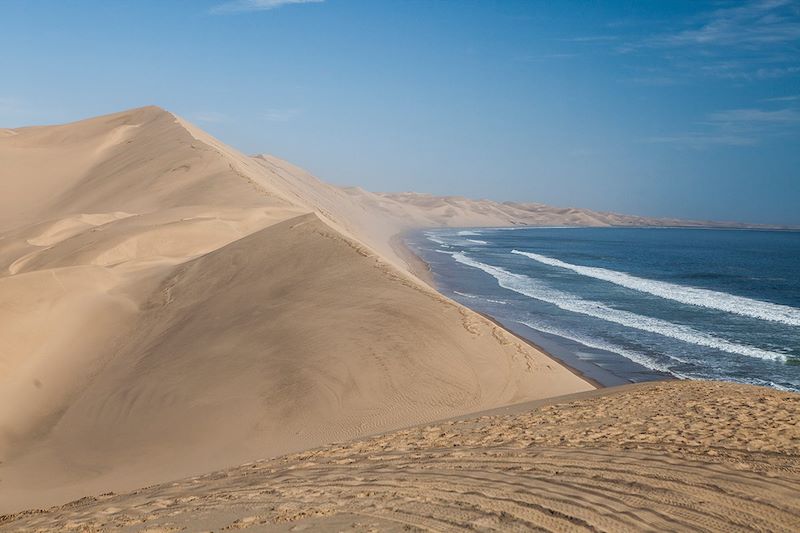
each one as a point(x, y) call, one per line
point(678, 108)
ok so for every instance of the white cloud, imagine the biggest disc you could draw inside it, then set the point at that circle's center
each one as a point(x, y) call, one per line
point(736, 127)
point(656, 81)
point(591, 39)
point(703, 140)
point(751, 24)
point(545, 57)
point(789, 98)
point(238, 6)
point(745, 41)
point(754, 116)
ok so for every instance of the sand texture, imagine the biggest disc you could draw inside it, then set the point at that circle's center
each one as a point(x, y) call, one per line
point(170, 306)
point(678, 456)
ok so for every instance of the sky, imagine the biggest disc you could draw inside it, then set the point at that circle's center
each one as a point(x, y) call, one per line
point(682, 108)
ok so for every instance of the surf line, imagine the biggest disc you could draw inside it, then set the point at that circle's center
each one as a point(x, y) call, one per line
point(696, 296)
point(533, 289)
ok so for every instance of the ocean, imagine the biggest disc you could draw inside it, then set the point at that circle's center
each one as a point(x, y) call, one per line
point(626, 305)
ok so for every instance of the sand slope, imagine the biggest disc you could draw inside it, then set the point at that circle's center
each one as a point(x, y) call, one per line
point(675, 456)
point(170, 306)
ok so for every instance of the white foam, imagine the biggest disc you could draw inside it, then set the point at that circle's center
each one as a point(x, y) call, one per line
point(436, 240)
point(466, 295)
point(569, 302)
point(599, 344)
point(649, 362)
point(475, 297)
point(467, 233)
point(794, 387)
point(477, 241)
point(515, 228)
point(720, 301)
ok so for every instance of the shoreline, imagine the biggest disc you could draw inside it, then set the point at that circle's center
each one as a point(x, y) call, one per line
point(578, 372)
point(418, 266)
point(421, 269)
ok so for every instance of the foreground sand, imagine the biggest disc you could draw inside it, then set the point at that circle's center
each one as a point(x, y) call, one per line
point(692, 456)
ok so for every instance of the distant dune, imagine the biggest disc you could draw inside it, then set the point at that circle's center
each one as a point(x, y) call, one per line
point(455, 211)
point(170, 306)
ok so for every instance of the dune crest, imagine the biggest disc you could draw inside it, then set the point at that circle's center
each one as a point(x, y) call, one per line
point(172, 306)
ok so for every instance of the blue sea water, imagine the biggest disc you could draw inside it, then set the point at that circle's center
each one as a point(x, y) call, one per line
point(635, 304)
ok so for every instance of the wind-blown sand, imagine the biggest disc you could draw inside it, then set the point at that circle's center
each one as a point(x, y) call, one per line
point(170, 307)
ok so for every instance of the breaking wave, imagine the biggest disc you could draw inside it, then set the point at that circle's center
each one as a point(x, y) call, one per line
point(709, 299)
point(569, 302)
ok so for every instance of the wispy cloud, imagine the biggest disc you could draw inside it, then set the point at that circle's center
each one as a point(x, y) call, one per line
point(591, 39)
point(545, 57)
point(280, 115)
point(751, 41)
point(663, 80)
point(745, 42)
point(755, 116)
point(788, 98)
point(751, 24)
point(239, 6)
point(699, 140)
point(736, 127)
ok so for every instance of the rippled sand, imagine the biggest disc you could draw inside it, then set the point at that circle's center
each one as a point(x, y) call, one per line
point(662, 456)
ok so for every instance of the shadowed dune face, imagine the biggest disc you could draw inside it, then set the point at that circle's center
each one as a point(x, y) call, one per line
point(171, 306)
point(671, 456)
point(267, 345)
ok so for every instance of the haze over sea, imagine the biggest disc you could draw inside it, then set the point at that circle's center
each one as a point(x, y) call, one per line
point(634, 304)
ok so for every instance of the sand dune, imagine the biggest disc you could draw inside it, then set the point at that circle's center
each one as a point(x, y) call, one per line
point(426, 210)
point(674, 456)
point(171, 306)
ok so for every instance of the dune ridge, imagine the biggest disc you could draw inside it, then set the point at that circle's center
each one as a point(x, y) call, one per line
point(172, 306)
